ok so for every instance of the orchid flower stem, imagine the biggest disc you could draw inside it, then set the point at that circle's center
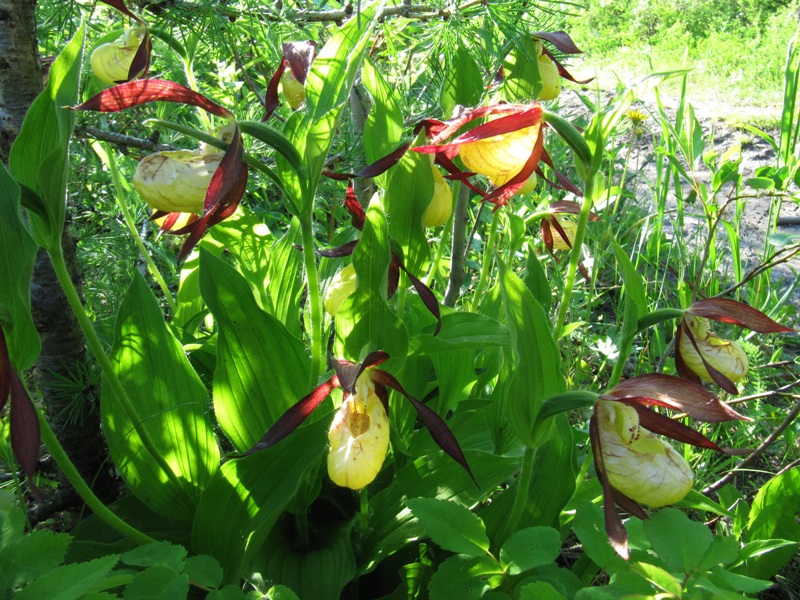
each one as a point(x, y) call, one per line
point(109, 375)
point(314, 298)
point(487, 260)
point(522, 493)
point(84, 491)
point(574, 258)
point(111, 162)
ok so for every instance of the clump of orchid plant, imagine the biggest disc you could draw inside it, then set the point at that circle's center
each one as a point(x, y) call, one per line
point(359, 433)
point(633, 464)
point(701, 355)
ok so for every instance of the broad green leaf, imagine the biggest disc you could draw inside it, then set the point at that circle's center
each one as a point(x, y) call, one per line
point(435, 475)
point(455, 376)
point(203, 570)
point(384, 126)
point(529, 548)
point(536, 280)
point(462, 83)
point(540, 590)
point(321, 571)
point(17, 254)
point(408, 195)
point(70, 581)
point(537, 375)
point(740, 583)
point(465, 578)
point(680, 542)
point(157, 583)
point(590, 529)
point(39, 156)
point(261, 369)
point(286, 282)
point(774, 514)
point(461, 331)
point(635, 301)
point(171, 404)
point(158, 554)
point(234, 592)
point(451, 525)
point(365, 322)
point(246, 497)
point(31, 556)
point(660, 578)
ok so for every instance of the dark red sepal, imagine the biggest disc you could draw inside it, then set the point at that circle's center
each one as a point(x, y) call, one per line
point(120, 6)
point(25, 433)
point(718, 377)
point(615, 530)
point(663, 425)
point(141, 60)
point(657, 389)
point(299, 56)
point(438, 429)
point(271, 98)
point(339, 251)
point(357, 215)
point(294, 416)
point(427, 296)
point(142, 91)
point(726, 310)
point(349, 372)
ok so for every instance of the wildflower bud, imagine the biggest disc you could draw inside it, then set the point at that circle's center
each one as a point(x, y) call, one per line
point(175, 181)
point(551, 80)
point(725, 356)
point(342, 286)
point(359, 438)
point(637, 462)
point(111, 62)
point(441, 206)
point(293, 90)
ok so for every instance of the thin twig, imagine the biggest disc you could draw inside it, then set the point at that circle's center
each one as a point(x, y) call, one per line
point(119, 139)
point(758, 451)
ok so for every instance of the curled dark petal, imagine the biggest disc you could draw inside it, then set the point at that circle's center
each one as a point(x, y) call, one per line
point(357, 215)
point(294, 416)
point(726, 310)
point(384, 163)
point(339, 251)
point(438, 429)
point(615, 530)
point(24, 426)
point(719, 378)
point(663, 425)
point(271, 98)
point(427, 296)
point(120, 6)
point(141, 60)
point(559, 39)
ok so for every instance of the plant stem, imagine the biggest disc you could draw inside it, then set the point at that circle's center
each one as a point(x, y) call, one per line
point(109, 375)
point(314, 298)
point(488, 254)
point(458, 251)
point(83, 490)
point(574, 258)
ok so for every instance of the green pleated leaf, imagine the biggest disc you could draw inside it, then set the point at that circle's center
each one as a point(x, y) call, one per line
point(17, 253)
point(463, 83)
point(286, 281)
point(261, 369)
point(408, 195)
point(328, 85)
point(460, 331)
point(365, 322)
point(451, 525)
point(320, 572)
point(383, 129)
point(244, 500)
point(171, 403)
point(39, 156)
point(537, 375)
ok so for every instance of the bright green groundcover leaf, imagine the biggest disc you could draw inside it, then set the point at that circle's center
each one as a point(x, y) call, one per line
point(157, 583)
point(171, 403)
point(158, 554)
point(529, 548)
point(680, 542)
point(70, 581)
point(203, 570)
point(464, 577)
point(262, 369)
point(540, 590)
point(451, 525)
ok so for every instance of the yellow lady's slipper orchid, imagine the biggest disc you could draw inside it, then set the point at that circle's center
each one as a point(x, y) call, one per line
point(112, 62)
point(637, 462)
point(342, 286)
point(529, 185)
point(569, 226)
point(359, 437)
point(725, 356)
point(175, 181)
point(441, 206)
point(501, 157)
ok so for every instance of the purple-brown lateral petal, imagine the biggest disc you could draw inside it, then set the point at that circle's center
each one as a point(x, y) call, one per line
point(357, 215)
point(143, 91)
point(271, 98)
point(726, 310)
point(339, 251)
point(559, 39)
point(656, 389)
point(294, 416)
point(120, 6)
point(438, 429)
point(6, 371)
point(427, 296)
point(141, 60)
point(719, 378)
point(663, 425)
point(24, 425)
